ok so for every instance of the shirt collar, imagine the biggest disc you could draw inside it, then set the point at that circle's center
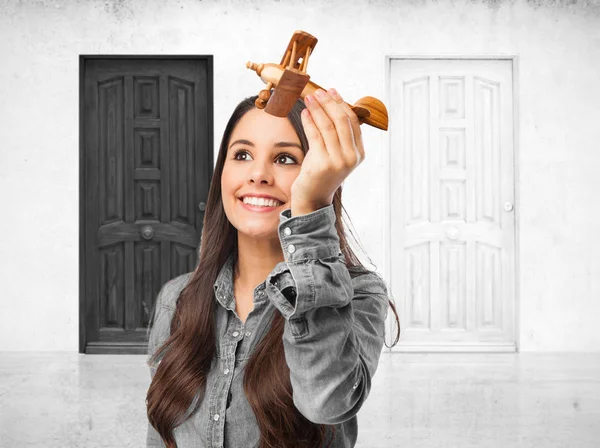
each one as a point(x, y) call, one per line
point(224, 283)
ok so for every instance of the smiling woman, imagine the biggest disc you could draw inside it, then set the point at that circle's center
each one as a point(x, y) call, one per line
point(274, 339)
point(263, 160)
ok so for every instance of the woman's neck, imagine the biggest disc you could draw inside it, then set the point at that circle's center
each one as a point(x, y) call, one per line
point(255, 260)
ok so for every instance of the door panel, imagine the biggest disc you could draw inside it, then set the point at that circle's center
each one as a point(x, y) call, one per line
point(453, 232)
point(147, 160)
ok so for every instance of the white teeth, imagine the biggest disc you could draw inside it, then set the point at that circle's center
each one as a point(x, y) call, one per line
point(261, 201)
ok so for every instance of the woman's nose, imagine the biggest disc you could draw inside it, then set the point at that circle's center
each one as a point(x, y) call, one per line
point(261, 172)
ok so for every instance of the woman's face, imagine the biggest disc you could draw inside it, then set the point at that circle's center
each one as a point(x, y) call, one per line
point(263, 157)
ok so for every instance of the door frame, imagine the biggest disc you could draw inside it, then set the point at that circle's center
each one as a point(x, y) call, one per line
point(83, 175)
point(387, 230)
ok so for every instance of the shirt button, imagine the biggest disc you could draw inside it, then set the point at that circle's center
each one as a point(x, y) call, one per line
point(287, 231)
point(216, 417)
point(226, 371)
point(291, 248)
point(235, 334)
point(356, 385)
point(247, 333)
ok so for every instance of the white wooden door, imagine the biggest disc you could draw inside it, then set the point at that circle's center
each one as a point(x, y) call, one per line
point(452, 203)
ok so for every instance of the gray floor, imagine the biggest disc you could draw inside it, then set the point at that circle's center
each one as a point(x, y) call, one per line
point(418, 400)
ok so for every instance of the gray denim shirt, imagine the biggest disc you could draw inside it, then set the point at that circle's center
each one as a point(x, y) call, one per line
point(332, 338)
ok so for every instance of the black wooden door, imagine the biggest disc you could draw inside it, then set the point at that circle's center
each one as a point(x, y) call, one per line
point(146, 164)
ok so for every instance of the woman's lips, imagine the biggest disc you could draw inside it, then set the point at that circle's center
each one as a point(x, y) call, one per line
point(257, 208)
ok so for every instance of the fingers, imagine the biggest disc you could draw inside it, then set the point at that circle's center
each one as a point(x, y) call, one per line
point(334, 125)
point(315, 105)
point(334, 119)
point(357, 134)
point(315, 140)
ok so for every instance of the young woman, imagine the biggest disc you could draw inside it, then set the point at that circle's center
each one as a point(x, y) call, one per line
point(272, 341)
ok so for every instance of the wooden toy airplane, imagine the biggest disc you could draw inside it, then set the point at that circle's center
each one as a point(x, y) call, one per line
point(290, 80)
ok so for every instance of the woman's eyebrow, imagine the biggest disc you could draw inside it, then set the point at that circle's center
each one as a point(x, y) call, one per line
point(277, 145)
point(243, 142)
point(286, 144)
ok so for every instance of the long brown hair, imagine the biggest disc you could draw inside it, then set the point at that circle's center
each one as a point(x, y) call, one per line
point(189, 350)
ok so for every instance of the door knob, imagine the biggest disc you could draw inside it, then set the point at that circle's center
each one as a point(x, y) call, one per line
point(147, 232)
point(452, 233)
point(202, 206)
point(508, 206)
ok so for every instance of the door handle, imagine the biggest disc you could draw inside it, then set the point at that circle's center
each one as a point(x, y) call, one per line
point(452, 233)
point(147, 232)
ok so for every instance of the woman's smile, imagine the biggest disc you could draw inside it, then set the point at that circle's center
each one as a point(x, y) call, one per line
point(259, 208)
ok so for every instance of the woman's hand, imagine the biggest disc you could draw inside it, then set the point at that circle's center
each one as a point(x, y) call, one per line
point(336, 149)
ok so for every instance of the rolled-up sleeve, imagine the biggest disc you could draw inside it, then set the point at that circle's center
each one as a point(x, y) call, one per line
point(334, 331)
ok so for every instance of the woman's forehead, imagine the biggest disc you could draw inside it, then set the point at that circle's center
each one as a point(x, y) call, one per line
point(259, 127)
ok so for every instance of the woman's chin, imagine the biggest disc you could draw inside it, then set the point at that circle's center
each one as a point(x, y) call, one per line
point(257, 226)
point(258, 234)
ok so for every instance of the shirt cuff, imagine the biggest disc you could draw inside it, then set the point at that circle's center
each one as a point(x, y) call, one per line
point(309, 237)
point(304, 239)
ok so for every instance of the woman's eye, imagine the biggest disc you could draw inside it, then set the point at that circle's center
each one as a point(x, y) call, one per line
point(237, 153)
point(279, 157)
point(283, 156)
